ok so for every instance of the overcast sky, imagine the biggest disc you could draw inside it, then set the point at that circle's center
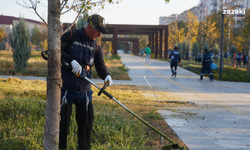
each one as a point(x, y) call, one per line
point(126, 12)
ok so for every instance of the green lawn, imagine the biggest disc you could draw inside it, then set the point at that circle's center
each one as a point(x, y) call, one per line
point(238, 74)
point(38, 67)
point(22, 118)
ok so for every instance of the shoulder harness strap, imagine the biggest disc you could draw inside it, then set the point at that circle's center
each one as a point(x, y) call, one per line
point(96, 47)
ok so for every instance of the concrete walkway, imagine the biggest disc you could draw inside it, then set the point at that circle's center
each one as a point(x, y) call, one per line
point(220, 118)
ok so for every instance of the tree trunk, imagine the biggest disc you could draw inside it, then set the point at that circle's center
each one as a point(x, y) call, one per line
point(54, 81)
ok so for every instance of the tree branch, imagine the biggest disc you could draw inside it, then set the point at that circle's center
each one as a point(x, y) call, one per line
point(74, 21)
point(64, 2)
point(34, 7)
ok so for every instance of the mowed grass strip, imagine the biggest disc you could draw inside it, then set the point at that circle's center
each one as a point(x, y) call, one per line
point(238, 74)
point(22, 118)
point(37, 66)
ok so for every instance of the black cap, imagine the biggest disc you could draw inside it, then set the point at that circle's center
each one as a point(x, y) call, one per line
point(175, 48)
point(98, 22)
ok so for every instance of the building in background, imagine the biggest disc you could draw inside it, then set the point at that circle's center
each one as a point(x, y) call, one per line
point(203, 9)
point(236, 5)
point(217, 6)
point(247, 4)
point(8, 23)
point(165, 20)
point(183, 15)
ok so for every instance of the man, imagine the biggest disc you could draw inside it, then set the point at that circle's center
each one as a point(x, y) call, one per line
point(187, 55)
point(79, 49)
point(245, 59)
point(141, 52)
point(206, 65)
point(175, 58)
point(238, 58)
point(147, 52)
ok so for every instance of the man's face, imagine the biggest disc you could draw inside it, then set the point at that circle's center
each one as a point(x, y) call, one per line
point(93, 33)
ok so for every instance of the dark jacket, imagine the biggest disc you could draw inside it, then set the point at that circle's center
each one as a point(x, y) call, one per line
point(80, 49)
point(175, 56)
point(238, 55)
point(207, 60)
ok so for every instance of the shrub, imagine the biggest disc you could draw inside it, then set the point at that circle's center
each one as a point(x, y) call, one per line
point(116, 57)
point(20, 42)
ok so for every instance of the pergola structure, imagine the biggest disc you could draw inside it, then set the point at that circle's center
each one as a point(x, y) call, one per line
point(125, 41)
point(156, 35)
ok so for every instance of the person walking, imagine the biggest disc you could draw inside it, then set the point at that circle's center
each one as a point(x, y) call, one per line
point(175, 59)
point(80, 49)
point(147, 52)
point(187, 55)
point(245, 59)
point(141, 52)
point(206, 65)
point(238, 58)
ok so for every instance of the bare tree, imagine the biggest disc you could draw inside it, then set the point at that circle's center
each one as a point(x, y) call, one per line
point(54, 81)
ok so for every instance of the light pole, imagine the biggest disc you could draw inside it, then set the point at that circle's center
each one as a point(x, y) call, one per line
point(178, 33)
point(221, 47)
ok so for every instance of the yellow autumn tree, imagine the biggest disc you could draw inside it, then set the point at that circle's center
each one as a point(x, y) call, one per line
point(172, 34)
point(175, 34)
point(2, 34)
point(210, 31)
point(192, 28)
point(246, 34)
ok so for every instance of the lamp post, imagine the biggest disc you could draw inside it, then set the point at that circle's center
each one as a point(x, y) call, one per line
point(221, 47)
point(178, 33)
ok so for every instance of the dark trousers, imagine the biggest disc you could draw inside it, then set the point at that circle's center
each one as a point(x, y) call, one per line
point(245, 62)
point(174, 65)
point(238, 61)
point(84, 118)
point(209, 70)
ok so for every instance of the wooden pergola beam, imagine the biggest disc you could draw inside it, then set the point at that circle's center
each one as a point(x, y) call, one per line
point(152, 30)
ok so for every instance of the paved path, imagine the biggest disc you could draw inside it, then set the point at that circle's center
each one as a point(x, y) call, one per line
point(220, 118)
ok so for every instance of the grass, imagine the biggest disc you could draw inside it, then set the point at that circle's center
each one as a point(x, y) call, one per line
point(238, 74)
point(38, 67)
point(115, 67)
point(22, 118)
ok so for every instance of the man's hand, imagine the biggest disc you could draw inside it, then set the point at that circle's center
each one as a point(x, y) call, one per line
point(179, 63)
point(109, 80)
point(76, 68)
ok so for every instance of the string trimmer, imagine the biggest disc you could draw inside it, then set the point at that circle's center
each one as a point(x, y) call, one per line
point(102, 90)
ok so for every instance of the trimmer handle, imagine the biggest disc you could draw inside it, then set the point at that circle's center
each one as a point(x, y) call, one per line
point(103, 88)
point(44, 54)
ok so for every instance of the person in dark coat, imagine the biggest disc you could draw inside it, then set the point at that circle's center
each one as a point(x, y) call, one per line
point(175, 60)
point(238, 58)
point(80, 49)
point(206, 65)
